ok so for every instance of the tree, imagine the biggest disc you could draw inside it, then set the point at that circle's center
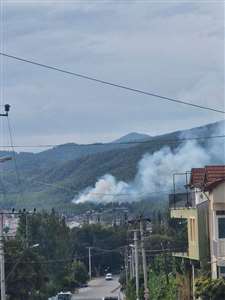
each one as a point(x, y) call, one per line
point(25, 274)
point(162, 281)
point(76, 276)
point(209, 289)
point(79, 272)
point(105, 243)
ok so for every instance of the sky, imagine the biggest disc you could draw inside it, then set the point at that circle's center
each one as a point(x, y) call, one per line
point(173, 48)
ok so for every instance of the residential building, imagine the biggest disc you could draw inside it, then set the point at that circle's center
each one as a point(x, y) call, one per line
point(209, 186)
point(203, 208)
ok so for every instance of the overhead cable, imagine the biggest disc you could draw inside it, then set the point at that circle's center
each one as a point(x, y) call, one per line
point(151, 141)
point(15, 159)
point(117, 85)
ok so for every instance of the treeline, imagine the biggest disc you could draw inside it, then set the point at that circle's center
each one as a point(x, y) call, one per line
point(46, 256)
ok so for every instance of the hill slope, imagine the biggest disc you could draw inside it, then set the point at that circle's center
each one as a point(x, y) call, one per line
point(53, 177)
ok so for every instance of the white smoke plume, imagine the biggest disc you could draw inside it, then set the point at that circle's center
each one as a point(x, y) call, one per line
point(154, 173)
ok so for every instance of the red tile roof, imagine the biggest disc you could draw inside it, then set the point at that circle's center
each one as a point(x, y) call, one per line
point(197, 177)
point(213, 173)
point(206, 177)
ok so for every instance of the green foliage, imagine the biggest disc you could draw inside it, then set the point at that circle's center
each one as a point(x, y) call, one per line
point(209, 289)
point(160, 289)
point(26, 276)
point(77, 274)
point(55, 251)
point(51, 232)
point(105, 241)
point(130, 290)
point(162, 281)
point(75, 167)
point(53, 266)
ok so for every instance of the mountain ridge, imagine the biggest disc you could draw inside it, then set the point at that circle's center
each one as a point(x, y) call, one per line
point(52, 177)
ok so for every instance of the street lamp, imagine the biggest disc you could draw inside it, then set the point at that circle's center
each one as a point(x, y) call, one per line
point(7, 108)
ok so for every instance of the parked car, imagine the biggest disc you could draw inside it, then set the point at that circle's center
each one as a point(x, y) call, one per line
point(64, 296)
point(108, 276)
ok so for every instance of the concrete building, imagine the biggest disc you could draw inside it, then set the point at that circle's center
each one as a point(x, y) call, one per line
point(203, 208)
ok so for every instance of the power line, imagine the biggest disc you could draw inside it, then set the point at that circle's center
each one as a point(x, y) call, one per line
point(121, 86)
point(78, 192)
point(71, 189)
point(14, 158)
point(152, 141)
point(80, 257)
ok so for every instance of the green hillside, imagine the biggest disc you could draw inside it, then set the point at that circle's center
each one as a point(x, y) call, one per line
point(54, 177)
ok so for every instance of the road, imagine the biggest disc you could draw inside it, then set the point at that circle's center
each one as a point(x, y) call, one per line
point(97, 289)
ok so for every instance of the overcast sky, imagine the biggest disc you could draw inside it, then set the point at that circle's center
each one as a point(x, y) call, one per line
point(173, 48)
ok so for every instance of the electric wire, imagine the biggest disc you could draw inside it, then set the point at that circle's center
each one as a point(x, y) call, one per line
point(81, 257)
point(77, 192)
point(121, 86)
point(152, 141)
point(19, 182)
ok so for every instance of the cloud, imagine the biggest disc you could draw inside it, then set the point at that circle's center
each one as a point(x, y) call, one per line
point(175, 49)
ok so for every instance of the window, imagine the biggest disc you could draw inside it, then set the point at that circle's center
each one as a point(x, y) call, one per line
point(222, 271)
point(192, 229)
point(220, 212)
point(221, 228)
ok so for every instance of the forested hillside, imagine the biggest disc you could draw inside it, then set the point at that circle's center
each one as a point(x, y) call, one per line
point(53, 177)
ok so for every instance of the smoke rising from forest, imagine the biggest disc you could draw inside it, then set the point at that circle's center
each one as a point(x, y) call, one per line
point(155, 171)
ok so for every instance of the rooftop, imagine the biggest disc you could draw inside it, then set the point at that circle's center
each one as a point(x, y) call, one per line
point(206, 177)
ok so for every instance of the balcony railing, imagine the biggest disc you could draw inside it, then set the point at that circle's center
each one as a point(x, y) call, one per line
point(181, 200)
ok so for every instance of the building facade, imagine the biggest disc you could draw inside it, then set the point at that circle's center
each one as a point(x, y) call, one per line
point(203, 208)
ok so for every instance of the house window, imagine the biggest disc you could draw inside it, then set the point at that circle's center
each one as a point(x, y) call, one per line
point(192, 229)
point(222, 271)
point(220, 212)
point(221, 228)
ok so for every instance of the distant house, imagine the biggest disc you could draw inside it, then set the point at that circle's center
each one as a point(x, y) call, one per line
point(10, 224)
point(203, 208)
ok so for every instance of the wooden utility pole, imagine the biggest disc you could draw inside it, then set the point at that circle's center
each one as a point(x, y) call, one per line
point(89, 262)
point(126, 264)
point(136, 263)
point(144, 263)
point(2, 259)
point(2, 253)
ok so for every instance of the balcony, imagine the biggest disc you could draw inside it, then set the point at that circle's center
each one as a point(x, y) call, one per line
point(182, 200)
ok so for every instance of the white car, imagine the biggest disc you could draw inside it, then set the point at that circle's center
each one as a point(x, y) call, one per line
point(64, 296)
point(108, 276)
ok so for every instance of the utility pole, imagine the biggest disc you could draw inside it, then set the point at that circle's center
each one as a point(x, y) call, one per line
point(89, 262)
point(146, 290)
point(133, 262)
point(2, 258)
point(165, 262)
point(126, 264)
point(26, 227)
point(2, 253)
point(136, 264)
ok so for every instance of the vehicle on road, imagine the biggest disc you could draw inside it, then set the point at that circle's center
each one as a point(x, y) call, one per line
point(110, 298)
point(108, 276)
point(64, 296)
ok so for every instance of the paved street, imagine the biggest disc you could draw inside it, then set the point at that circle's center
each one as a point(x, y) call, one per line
point(97, 289)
